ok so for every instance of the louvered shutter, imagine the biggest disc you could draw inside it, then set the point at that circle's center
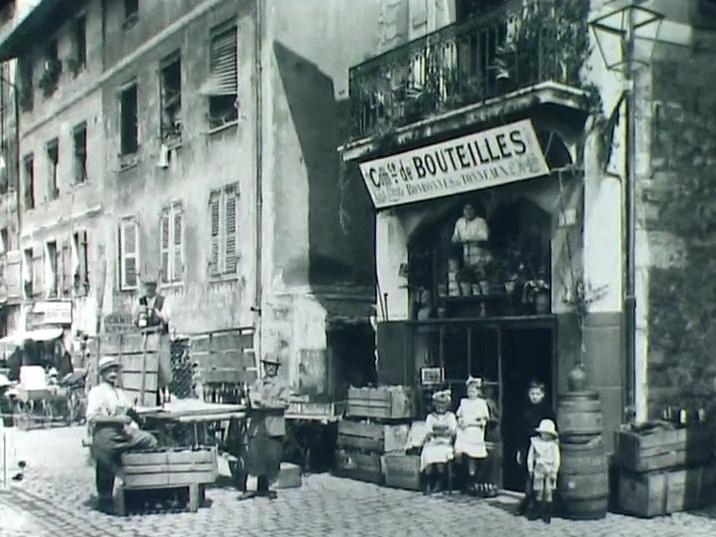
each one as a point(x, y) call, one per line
point(230, 257)
point(81, 276)
point(164, 244)
point(13, 275)
point(129, 254)
point(178, 247)
point(223, 78)
point(66, 269)
point(214, 211)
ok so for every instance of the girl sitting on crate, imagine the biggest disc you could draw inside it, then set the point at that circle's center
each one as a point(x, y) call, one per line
point(543, 460)
point(437, 451)
point(472, 416)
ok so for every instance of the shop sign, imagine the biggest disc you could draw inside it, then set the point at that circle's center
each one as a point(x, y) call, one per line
point(51, 312)
point(490, 158)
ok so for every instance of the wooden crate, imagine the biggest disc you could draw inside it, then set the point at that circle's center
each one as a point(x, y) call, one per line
point(658, 493)
point(313, 409)
point(170, 468)
point(358, 466)
point(372, 436)
point(289, 476)
point(663, 448)
point(401, 471)
point(385, 402)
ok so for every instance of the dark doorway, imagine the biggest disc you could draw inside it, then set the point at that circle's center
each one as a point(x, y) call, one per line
point(352, 358)
point(527, 354)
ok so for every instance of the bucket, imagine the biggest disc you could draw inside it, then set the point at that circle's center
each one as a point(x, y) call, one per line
point(579, 416)
point(583, 484)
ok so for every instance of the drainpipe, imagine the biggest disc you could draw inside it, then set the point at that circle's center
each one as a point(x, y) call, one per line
point(258, 92)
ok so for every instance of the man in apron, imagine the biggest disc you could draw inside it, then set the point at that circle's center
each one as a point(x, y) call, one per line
point(113, 431)
point(268, 401)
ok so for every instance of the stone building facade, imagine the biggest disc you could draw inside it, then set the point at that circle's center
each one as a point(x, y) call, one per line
point(211, 134)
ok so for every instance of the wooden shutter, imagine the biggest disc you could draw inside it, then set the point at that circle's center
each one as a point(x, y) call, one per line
point(38, 270)
point(223, 77)
point(129, 254)
point(13, 275)
point(230, 257)
point(214, 212)
point(66, 269)
point(177, 243)
point(80, 276)
point(164, 244)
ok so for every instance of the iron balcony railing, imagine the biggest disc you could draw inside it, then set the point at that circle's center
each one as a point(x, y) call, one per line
point(523, 43)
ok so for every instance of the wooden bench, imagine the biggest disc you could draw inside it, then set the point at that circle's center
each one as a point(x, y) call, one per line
point(189, 468)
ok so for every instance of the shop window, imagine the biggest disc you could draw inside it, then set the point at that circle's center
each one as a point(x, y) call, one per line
point(78, 60)
point(482, 261)
point(129, 127)
point(131, 12)
point(221, 88)
point(170, 92)
point(51, 69)
point(128, 254)
point(27, 277)
point(53, 156)
point(223, 213)
point(172, 243)
point(80, 274)
point(79, 140)
point(52, 268)
point(28, 166)
point(26, 93)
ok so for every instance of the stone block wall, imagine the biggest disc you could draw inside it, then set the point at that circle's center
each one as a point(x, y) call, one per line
point(677, 199)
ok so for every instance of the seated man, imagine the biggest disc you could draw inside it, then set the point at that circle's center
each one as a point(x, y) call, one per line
point(113, 430)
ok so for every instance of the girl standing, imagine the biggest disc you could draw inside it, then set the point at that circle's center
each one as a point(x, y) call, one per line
point(437, 450)
point(472, 416)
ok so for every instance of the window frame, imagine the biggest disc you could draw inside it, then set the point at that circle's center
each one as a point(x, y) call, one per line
point(131, 13)
point(53, 169)
point(136, 255)
point(51, 266)
point(123, 90)
point(79, 44)
point(174, 134)
point(230, 114)
point(80, 262)
point(171, 274)
point(28, 278)
point(80, 166)
point(219, 270)
point(28, 175)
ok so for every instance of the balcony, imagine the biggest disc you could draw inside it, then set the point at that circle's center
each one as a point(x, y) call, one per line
point(530, 44)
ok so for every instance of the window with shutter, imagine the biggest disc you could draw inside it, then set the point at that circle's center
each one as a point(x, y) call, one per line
point(214, 210)
point(223, 208)
point(80, 274)
point(66, 269)
point(38, 272)
point(13, 275)
point(230, 230)
point(178, 244)
point(129, 253)
point(222, 85)
point(164, 244)
point(27, 269)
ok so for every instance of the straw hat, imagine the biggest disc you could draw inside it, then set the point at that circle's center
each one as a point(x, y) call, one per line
point(547, 427)
point(443, 396)
point(476, 381)
point(270, 361)
point(106, 363)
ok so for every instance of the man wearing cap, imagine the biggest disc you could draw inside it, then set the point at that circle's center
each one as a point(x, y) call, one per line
point(151, 308)
point(268, 401)
point(113, 429)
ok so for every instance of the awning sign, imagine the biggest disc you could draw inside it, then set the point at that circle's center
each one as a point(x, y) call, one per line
point(494, 157)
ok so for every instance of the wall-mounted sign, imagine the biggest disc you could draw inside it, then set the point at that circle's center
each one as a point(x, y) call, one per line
point(494, 157)
point(53, 312)
point(119, 322)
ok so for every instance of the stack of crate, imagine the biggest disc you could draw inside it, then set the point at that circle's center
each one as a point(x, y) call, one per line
point(664, 470)
point(377, 422)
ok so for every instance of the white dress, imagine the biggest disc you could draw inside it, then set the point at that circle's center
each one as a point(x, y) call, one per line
point(472, 415)
point(438, 448)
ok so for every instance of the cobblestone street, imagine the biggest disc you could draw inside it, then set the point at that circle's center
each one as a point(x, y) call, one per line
point(53, 499)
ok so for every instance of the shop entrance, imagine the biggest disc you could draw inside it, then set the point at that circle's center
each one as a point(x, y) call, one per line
point(527, 354)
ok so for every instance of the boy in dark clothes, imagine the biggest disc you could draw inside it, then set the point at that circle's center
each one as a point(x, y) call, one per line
point(538, 409)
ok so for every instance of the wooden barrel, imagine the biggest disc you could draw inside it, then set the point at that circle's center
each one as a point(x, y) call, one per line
point(583, 484)
point(579, 416)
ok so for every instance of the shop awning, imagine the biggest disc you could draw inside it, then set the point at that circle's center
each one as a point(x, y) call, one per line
point(41, 334)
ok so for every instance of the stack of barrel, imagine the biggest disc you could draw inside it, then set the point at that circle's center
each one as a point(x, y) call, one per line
point(583, 485)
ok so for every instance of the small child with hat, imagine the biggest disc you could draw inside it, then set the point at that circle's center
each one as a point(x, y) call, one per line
point(437, 450)
point(472, 416)
point(543, 460)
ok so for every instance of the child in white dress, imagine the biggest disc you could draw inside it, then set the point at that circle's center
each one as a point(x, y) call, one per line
point(472, 416)
point(437, 450)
